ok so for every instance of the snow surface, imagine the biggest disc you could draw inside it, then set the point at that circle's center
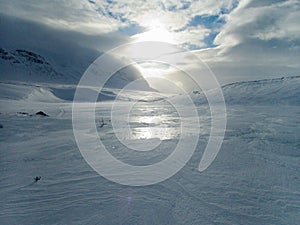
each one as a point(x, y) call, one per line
point(254, 179)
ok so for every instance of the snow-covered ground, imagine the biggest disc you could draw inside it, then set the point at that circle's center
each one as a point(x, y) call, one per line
point(254, 179)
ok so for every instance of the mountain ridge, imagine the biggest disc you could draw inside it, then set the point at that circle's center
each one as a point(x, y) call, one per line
point(23, 65)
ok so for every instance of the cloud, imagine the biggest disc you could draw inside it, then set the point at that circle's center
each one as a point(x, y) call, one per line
point(80, 16)
point(16, 32)
point(259, 39)
point(101, 17)
point(192, 36)
point(176, 16)
point(69, 52)
point(274, 20)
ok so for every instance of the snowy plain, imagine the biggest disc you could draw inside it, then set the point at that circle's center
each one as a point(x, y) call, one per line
point(254, 179)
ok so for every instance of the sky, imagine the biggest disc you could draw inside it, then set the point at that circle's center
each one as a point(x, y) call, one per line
point(237, 39)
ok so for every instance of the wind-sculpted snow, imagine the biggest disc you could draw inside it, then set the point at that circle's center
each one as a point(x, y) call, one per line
point(254, 179)
point(61, 93)
point(31, 93)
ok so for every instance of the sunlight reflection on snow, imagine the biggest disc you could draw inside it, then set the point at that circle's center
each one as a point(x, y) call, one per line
point(165, 125)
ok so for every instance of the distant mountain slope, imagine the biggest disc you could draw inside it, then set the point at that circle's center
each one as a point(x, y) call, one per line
point(26, 66)
point(32, 53)
point(285, 91)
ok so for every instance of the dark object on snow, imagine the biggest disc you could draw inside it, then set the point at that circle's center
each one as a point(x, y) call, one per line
point(1, 126)
point(41, 113)
point(23, 113)
point(102, 123)
point(36, 179)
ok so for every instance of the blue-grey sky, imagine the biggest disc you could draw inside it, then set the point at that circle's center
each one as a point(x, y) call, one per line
point(238, 39)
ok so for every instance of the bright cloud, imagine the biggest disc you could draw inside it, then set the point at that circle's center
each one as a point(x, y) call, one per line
point(99, 16)
point(81, 16)
point(259, 38)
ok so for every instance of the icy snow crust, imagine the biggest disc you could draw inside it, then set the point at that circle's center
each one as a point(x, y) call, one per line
point(255, 178)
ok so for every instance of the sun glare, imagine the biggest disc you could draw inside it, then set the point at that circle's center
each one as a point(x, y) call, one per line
point(154, 69)
point(156, 31)
point(158, 34)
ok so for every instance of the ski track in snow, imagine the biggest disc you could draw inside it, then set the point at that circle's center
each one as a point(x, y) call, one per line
point(254, 179)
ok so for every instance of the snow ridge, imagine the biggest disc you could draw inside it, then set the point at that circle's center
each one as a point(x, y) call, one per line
point(284, 91)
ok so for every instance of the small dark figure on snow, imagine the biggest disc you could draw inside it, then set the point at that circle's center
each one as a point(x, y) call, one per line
point(41, 113)
point(36, 179)
point(102, 123)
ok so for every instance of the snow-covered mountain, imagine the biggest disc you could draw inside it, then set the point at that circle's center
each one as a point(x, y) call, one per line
point(31, 53)
point(26, 66)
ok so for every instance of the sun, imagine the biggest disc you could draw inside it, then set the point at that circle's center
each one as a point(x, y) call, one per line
point(158, 34)
point(155, 31)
